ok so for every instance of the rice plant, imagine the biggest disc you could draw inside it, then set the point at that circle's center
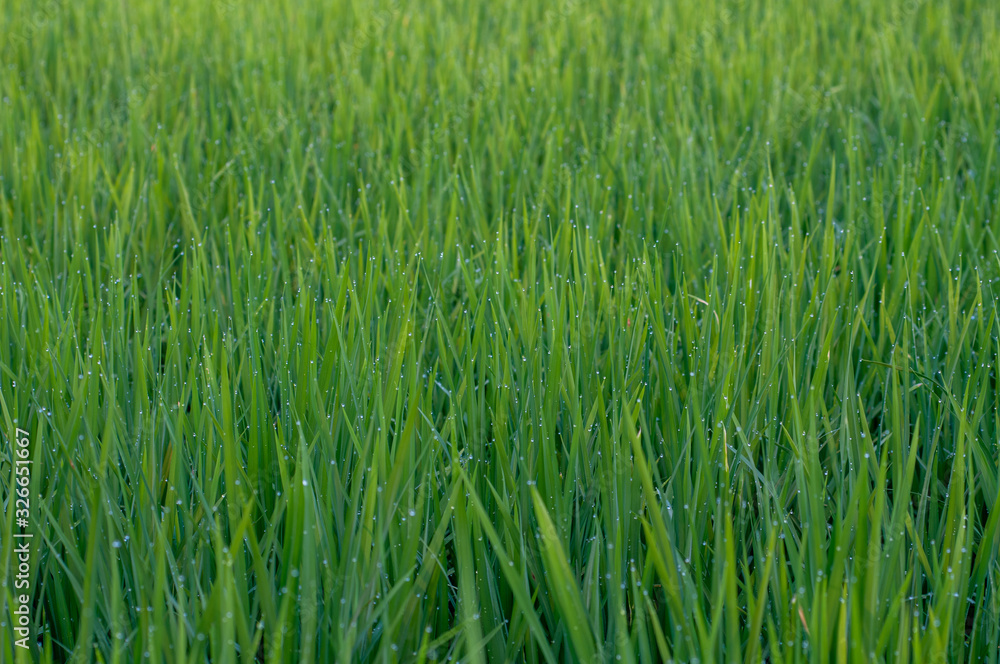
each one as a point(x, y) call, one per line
point(440, 330)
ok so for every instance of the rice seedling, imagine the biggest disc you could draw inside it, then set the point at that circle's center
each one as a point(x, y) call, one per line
point(416, 331)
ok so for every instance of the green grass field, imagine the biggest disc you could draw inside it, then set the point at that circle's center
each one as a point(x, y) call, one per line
point(441, 330)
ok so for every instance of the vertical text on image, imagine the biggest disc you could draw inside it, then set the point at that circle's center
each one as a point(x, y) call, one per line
point(21, 609)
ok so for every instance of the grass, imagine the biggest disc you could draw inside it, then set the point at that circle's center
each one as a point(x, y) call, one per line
point(502, 332)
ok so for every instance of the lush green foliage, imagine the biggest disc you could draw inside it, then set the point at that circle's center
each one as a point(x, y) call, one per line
point(504, 331)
